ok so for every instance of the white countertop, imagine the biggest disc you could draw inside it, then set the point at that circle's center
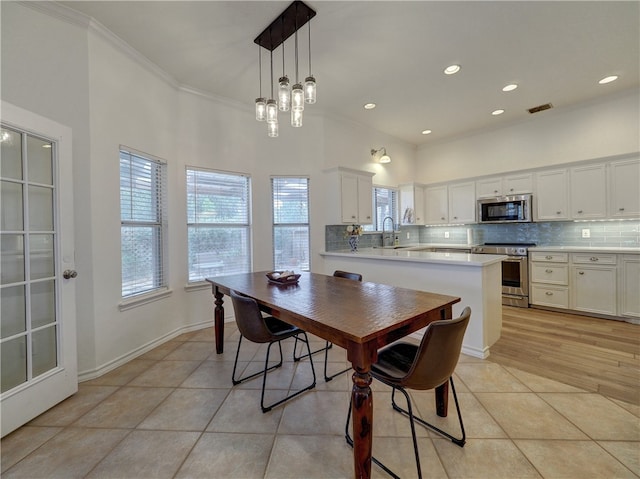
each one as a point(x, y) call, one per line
point(587, 249)
point(407, 254)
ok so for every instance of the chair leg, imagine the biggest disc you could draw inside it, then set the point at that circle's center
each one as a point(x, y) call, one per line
point(328, 378)
point(264, 378)
point(327, 346)
point(235, 365)
point(349, 440)
point(458, 441)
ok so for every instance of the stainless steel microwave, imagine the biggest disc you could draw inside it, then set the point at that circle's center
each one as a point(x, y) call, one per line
point(505, 209)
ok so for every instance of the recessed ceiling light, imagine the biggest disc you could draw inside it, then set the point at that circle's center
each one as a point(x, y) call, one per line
point(608, 79)
point(510, 87)
point(497, 112)
point(426, 132)
point(450, 70)
point(369, 106)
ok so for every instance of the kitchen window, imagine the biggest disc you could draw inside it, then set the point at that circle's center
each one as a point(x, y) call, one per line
point(142, 222)
point(218, 223)
point(290, 206)
point(385, 203)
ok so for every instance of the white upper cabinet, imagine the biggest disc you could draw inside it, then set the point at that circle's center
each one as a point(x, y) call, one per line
point(489, 187)
point(436, 205)
point(624, 189)
point(462, 202)
point(412, 204)
point(349, 196)
point(589, 192)
point(551, 197)
point(516, 184)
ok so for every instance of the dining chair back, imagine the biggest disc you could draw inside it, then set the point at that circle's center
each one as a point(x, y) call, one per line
point(260, 329)
point(428, 365)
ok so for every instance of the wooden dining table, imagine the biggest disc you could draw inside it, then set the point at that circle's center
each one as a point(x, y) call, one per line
point(360, 317)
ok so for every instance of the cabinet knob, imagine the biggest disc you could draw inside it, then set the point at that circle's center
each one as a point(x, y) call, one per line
point(558, 212)
point(549, 293)
point(593, 258)
point(548, 271)
point(580, 272)
point(455, 217)
point(353, 217)
point(510, 189)
point(620, 209)
point(548, 257)
point(579, 212)
point(368, 217)
point(495, 191)
point(442, 218)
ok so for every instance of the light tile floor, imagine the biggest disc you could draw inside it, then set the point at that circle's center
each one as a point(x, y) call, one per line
point(172, 413)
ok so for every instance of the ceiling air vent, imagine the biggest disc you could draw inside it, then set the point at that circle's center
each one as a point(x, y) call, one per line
point(544, 107)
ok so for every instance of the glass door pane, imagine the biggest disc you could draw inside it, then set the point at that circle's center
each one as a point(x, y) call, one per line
point(28, 325)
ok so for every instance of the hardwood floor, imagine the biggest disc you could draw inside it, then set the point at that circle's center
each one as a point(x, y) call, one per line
point(597, 355)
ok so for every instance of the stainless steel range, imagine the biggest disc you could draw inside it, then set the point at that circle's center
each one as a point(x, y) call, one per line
point(515, 270)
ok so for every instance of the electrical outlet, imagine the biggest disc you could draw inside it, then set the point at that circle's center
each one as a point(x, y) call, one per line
point(446, 234)
point(408, 235)
point(586, 233)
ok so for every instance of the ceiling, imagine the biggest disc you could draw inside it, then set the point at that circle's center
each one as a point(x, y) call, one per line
point(393, 53)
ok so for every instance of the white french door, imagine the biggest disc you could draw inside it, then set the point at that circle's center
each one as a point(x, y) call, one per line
point(38, 363)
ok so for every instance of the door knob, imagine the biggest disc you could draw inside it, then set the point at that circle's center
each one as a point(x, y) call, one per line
point(69, 273)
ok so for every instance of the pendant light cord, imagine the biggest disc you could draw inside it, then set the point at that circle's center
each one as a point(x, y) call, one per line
point(260, 68)
point(309, 23)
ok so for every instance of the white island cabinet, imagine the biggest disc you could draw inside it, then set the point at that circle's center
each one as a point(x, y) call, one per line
point(475, 278)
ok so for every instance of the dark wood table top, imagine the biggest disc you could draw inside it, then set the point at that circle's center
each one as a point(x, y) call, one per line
point(338, 309)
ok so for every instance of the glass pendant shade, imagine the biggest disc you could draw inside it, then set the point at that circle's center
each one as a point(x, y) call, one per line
point(272, 111)
point(297, 97)
point(310, 90)
point(261, 109)
point(296, 118)
point(284, 94)
point(272, 129)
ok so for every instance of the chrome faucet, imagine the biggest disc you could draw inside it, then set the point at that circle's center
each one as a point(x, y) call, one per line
point(393, 228)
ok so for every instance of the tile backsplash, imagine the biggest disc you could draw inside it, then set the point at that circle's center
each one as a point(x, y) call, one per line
point(557, 233)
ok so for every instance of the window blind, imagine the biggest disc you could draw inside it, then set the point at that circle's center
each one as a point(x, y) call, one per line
point(290, 206)
point(142, 216)
point(218, 223)
point(385, 203)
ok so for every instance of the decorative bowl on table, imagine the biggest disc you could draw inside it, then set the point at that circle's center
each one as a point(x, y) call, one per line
point(283, 277)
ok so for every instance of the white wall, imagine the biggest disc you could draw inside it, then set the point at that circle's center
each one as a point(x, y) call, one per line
point(599, 129)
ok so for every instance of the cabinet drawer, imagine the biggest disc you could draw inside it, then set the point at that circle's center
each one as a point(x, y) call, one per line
point(550, 273)
point(551, 257)
point(586, 258)
point(553, 296)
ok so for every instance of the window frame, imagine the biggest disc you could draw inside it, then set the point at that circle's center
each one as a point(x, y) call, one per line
point(160, 224)
point(396, 207)
point(276, 225)
point(247, 227)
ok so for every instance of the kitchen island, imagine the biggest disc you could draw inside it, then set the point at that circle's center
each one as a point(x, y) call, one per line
point(476, 278)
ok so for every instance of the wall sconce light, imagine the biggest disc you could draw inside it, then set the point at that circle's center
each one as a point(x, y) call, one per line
point(381, 155)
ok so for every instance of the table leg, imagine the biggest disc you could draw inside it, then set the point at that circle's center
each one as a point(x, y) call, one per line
point(362, 411)
point(442, 399)
point(219, 320)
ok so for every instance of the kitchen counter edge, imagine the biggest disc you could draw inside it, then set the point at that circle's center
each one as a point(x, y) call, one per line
point(587, 249)
point(459, 259)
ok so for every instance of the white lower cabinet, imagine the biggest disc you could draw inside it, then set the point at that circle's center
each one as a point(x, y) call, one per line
point(629, 285)
point(601, 284)
point(549, 279)
point(594, 289)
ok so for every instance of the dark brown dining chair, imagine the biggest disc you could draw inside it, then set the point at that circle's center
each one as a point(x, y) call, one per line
point(338, 274)
point(431, 364)
point(258, 329)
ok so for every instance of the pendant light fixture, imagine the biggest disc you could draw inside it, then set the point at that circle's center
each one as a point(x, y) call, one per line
point(288, 98)
point(261, 103)
point(284, 89)
point(310, 82)
point(297, 93)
